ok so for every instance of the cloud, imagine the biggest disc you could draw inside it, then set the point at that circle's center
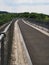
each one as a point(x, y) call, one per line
point(41, 6)
point(21, 1)
point(16, 3)
point(40, 1)
point(27, 1)
point(39, 9)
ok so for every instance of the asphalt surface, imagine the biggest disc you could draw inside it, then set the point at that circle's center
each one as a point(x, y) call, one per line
point(36, 43)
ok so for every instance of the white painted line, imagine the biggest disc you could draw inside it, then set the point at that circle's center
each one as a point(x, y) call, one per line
point(42, 31)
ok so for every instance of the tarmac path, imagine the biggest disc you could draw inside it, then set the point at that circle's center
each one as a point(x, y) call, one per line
point(37, 44)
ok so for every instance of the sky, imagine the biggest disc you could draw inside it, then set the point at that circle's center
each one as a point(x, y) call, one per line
point(17, 6)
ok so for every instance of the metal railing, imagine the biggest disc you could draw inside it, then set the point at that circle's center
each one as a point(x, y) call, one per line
point(6, 38)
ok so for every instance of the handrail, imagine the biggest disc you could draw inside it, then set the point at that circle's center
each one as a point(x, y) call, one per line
point(2, 35)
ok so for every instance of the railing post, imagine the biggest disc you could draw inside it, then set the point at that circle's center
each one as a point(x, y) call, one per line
point(2, 51)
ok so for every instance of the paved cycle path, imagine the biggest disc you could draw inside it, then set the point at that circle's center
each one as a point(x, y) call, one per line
point(37, 44)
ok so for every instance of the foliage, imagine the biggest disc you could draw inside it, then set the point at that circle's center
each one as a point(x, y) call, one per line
point(5, 17)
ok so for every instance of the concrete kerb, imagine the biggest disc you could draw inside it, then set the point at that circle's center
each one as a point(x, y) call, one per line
point(40, 29)
point(38, 26)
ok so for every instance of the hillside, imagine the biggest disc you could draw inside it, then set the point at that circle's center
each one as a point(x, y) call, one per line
point(38, 17)
point(1, 12)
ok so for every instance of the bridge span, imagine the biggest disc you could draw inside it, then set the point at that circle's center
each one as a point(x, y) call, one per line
point(24, 44)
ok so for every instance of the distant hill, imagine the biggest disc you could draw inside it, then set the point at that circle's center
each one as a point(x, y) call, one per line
point(1, 12)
